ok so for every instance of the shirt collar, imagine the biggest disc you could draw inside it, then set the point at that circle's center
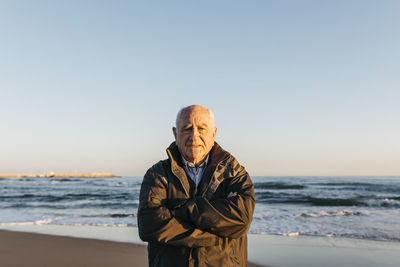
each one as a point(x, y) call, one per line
point(191, 165)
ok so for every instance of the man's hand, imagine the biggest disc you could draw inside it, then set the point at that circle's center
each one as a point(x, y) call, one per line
point(232, 194)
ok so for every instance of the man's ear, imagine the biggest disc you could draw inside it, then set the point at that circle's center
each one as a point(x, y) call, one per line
point(215, 131)
point(174, 131)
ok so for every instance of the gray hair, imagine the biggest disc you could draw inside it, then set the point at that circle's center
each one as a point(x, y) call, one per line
point(184, 109)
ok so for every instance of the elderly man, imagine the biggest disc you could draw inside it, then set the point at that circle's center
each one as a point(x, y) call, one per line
point(196, 206)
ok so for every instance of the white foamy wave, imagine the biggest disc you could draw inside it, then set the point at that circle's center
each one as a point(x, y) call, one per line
point(116, 221)
point(39, 222)
point(51, 222)
point(97, 224)
point(291, 234)
point(16, 223)
point(330, 213)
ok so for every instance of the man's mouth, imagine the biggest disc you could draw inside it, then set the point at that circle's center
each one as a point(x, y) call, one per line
point(194, 145)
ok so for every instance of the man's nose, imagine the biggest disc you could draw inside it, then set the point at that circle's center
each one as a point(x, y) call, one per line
point(195, 133)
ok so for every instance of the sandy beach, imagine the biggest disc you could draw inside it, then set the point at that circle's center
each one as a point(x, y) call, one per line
point(42, 250)
point(55, 245)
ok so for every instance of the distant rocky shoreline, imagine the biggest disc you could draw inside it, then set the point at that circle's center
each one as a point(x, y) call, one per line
point(59, 175)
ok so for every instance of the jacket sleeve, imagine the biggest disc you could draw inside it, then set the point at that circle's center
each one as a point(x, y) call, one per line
point(155, 221)
point(227, 217)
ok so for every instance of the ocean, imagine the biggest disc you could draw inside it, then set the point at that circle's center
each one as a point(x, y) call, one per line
point(353, 207)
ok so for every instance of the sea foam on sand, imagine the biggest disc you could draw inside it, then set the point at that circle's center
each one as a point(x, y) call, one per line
point(267, 250)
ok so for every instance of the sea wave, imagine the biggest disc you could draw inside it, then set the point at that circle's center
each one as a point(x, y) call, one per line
point(70, 196)
point(121, 215)
point(360, 186)
point(330, 213)
point(66, 180)
point(385, 203)
point(313, 206)
point(301, 199)
point(272, 185)
point(316, 201)
point(57, 206)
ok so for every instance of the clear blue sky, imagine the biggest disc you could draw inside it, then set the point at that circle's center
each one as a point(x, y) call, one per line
point(297, 87)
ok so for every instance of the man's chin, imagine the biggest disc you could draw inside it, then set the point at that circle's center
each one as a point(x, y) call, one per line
point(192, 157)
point(195, 150)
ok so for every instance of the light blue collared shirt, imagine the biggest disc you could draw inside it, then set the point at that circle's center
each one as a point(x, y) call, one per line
point(195, 173)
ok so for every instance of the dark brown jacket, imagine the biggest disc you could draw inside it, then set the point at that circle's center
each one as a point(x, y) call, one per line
point(208, 229)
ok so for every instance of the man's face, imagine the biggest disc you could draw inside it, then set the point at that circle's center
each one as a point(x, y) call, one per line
point(195, 134)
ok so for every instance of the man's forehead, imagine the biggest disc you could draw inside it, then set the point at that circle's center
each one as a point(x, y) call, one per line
point(196, 112)
point(199, 116)
point(187, 123)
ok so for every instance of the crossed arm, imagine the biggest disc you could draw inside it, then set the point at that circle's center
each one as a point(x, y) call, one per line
point(199, 222)
point(229, 216)
point(156, 223)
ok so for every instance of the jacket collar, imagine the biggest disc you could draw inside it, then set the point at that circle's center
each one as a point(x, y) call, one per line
point(216, 155)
